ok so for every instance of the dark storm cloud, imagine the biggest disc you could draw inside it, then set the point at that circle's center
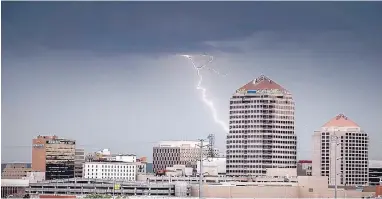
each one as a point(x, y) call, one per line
point(171, 26)
point(102, 72)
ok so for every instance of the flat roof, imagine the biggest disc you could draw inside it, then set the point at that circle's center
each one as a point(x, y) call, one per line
point(14, 183)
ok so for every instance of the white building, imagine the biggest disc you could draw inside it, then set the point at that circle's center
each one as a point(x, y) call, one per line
point(123, 158)
point(110, 170)
point(340, 151)
point(179, 170)
point(35, 176)
point(169, 153)
point(130, 158)
point(104, 152)
point(261, 129)
point(213, 167)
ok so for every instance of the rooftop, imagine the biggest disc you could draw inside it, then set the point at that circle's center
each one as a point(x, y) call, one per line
point(123, 154)
point(108, 162)
point(262, 83)
point(340, 121)
point(179, 143)
point(375, 163)
point(14, 183)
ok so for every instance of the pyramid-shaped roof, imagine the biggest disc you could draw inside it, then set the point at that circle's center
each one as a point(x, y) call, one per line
point(340, 121)
point(262, 83)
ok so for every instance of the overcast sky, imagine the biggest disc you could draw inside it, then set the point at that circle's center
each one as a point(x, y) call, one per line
point(107, 74)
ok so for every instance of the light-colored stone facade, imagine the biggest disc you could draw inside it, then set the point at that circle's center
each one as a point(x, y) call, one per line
point(261, 130)
point(340, 151)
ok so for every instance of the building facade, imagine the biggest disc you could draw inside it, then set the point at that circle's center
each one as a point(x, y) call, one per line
point(13, 188)
point(304, 168)
point(16, 170)
point(124, 158)
point(375, 172)
point(170, 153)
point(54, 156)
point(79, 162)
point(340, 151)
point(117, 188)
point(213, 166)
point(261, 129)
point(110, 170)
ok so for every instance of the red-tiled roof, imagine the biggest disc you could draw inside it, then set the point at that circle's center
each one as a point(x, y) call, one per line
point(262, 83)
point(340, 121)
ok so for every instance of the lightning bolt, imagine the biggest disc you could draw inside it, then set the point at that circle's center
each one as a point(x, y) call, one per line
point(199, 86)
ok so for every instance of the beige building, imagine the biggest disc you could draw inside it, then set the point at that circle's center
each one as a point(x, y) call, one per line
point(304, 168)
point(278, 183)
point(170, 153)
point(306, 187)
point(16, 170)
point(15, 188)
point(261, 129)
point(340, 152)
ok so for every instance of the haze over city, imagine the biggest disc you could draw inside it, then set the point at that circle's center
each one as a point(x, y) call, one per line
point(107, 75)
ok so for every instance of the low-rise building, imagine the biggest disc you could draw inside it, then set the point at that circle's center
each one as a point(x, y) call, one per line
point(375, 172)
point(179, 170)
point(141, 165)
point(35, 176)
point(131, 158)
point(124, 158)
point(277, 183)
point(304, 187)
point(213, 166)
point(104, 154)
point(110, 170)
point(13, 188)
point(117, 187)
point(304, 168)
point(15, 170)
point(170, 153)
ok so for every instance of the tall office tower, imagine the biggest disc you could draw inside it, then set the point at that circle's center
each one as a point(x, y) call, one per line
point(261, 133)
point(170, 153)
point(340, 151)
point(54, 156)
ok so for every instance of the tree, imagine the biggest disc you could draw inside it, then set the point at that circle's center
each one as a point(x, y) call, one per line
point(97, 196)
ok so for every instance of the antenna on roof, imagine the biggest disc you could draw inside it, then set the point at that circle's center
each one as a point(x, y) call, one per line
point(257, 80)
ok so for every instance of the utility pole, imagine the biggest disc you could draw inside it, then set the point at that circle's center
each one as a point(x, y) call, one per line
point(201, 167)
point(211, 140)
point(335, 139)
point(211, 146)
point(113, 188)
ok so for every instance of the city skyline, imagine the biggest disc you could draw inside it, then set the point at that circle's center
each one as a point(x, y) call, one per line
point(107, 74)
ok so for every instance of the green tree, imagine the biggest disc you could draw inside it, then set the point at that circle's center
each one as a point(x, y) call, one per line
point(97, 196)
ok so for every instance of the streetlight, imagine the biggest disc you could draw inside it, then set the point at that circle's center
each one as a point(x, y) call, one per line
point(335, 139)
